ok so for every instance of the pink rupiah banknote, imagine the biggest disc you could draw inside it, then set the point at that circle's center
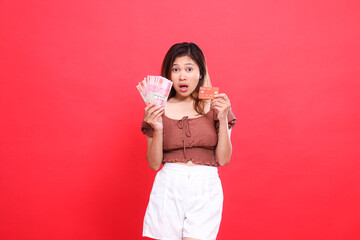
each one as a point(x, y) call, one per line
point(154, 89)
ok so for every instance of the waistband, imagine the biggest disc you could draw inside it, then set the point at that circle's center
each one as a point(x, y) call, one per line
point(175, 168)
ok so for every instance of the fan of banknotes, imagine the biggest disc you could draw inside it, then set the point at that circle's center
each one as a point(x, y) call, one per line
point(155, 89)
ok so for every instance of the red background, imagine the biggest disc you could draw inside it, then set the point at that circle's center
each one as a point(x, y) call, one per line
point(72, 157)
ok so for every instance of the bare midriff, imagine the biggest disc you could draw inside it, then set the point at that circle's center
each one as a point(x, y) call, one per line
point(189, 163)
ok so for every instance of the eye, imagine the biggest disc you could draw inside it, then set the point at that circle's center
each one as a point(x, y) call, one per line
point(189, 69)
point(175, 69)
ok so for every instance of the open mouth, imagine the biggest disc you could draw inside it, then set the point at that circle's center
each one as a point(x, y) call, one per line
point(183, 87)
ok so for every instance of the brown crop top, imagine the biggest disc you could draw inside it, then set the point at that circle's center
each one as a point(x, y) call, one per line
point(192, 139)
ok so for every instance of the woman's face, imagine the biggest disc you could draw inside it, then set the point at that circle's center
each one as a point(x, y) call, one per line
point(185, 75)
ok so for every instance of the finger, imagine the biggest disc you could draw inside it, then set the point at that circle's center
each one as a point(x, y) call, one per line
point(218, 102)
point(222, 95)
point(219, 95)
point(148, 107)
point(155, 118)
point(222, 105)
point(159, 114)
point(154, 108)
point(219, 107)
point(221, 100)
point(156, 112)
point(216, 110)
point(148, 114)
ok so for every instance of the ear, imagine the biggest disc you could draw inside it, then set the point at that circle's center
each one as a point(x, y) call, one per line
point(207, 82)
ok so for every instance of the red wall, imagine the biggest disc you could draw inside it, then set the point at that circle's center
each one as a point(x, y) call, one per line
point(72, 157)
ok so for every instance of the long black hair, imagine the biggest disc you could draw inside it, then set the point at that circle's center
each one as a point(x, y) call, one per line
point(195, 53)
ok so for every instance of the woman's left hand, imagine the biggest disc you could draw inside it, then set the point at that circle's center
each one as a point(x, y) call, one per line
point(221, 104)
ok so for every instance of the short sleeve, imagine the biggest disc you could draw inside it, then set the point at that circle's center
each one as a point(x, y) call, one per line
point(147, 129)
point(231, 120)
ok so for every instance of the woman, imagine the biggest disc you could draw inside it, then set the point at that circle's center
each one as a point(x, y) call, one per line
point(191, 137)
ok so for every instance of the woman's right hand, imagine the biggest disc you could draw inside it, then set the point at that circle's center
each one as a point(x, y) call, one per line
point(153, 117)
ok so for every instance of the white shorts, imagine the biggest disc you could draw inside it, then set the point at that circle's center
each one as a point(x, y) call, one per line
point(185, 201)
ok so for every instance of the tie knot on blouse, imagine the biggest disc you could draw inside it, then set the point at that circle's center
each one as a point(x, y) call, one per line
point(183, 124)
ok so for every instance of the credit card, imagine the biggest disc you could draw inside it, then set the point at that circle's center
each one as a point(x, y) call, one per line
point(208, 92)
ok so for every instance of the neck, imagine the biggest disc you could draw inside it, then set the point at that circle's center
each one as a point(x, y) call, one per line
point(183, 99)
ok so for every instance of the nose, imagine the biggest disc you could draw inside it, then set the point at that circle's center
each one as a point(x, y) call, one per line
point(182, 75)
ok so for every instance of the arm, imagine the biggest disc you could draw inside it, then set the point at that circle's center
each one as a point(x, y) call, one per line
point(223, 150)
point(154, 154)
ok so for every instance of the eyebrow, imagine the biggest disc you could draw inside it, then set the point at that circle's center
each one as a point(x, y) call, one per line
point(175, 64)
